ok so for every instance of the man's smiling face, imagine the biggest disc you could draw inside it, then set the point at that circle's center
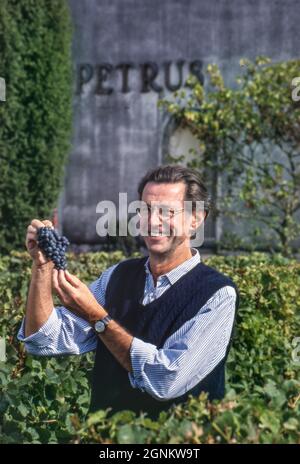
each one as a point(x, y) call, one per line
point(171, 196)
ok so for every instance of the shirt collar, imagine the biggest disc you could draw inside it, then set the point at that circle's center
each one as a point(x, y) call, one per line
point(180, 270)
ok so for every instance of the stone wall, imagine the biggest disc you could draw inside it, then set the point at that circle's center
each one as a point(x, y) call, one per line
point(127, 54)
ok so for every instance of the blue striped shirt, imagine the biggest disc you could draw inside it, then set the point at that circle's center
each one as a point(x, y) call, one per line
point(187, 356)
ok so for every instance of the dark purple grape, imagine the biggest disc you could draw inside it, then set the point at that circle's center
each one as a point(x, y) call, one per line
point(53, 246)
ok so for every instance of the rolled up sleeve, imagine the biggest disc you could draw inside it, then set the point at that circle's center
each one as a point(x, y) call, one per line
point(64, 332)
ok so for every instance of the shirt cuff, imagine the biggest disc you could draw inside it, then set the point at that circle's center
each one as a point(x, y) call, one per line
point(140, 353)
point(44, 335)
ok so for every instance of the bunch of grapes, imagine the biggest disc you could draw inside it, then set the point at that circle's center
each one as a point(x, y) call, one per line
point(53, 246)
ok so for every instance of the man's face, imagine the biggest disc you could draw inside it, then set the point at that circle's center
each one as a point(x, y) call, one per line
point(164, 234)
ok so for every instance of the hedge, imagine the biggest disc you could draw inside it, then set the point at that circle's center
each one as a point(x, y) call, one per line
point(35, 119)
point(45, 400)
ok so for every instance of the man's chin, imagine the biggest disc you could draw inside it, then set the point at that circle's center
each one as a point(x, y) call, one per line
point(157, 242)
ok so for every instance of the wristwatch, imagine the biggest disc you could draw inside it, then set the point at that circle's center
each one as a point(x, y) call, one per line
point(100, 325)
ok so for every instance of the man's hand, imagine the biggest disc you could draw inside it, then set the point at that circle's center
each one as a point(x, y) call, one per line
point(76, 296)
point(31, 242)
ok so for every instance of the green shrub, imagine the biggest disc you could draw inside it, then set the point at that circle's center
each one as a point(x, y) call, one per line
point(249, 134)
point(35, 60)
point(46, 399)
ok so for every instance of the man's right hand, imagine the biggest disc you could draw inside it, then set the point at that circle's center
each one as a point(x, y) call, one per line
point(31, 242)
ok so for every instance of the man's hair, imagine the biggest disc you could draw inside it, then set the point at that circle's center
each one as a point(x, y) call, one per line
point(171, 174)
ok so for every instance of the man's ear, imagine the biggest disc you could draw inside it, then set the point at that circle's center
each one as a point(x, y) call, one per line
point(198, 217)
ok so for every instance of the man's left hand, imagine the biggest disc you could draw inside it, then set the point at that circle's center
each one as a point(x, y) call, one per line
point(76, 296)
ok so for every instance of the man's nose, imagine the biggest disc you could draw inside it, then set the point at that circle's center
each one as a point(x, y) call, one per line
point(155, 222)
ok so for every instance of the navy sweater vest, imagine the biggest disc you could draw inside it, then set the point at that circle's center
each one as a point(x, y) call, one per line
point(152, 323)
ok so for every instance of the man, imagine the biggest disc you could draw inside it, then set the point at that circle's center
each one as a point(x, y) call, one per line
point(161, 326)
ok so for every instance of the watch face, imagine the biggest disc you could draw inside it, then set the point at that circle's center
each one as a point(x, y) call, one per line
point(99, 326)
